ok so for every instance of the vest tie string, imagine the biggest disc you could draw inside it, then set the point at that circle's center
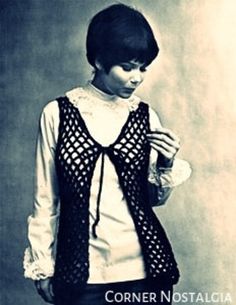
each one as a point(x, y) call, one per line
point(97, 219)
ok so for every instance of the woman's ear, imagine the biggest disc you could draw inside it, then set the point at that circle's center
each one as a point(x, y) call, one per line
point(98, 65)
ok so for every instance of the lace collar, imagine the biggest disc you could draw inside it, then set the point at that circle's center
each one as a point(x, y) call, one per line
point(92, 96)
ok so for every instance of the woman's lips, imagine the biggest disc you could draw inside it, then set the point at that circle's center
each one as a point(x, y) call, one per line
point(129, 90)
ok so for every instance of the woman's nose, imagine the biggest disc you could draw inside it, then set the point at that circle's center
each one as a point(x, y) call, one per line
point(136, 78)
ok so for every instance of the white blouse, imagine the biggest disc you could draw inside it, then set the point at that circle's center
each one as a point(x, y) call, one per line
point(115, 255)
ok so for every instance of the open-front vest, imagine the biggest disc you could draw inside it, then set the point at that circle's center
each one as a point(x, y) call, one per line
point(76, 156)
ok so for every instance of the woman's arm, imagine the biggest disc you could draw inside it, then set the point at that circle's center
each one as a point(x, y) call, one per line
point(165, 171)
point(42, 224)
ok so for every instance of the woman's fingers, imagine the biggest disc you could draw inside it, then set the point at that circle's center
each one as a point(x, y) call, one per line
point(167, 132)
point(165, 135)
point(167, 154)
point(172, 148)
point(44, 288)
point(164, 141)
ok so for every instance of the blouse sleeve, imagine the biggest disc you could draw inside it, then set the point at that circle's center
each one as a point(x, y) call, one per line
point(42, 223)
point(163, 180)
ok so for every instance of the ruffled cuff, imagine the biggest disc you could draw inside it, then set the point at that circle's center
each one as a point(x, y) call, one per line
point(37, 269)
point(170, 177)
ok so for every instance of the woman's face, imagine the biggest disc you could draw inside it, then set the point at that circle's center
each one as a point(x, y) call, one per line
point(122, 79)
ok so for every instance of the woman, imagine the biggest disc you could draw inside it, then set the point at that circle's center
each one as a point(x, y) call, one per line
point(103, 160)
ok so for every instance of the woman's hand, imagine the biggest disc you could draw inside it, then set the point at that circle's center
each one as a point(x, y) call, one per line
point(166, 143)
point(44, 288)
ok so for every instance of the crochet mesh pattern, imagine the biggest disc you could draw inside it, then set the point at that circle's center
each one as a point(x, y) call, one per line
point(76, 157)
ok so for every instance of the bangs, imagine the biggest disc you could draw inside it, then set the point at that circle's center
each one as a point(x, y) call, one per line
point(137, 44)
point(137, 47)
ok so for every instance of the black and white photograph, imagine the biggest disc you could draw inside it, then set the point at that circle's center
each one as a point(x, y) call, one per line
point(117, 152)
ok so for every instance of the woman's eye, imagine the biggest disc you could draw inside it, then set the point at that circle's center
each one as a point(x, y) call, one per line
point(143, 69)
point(129, 68)
point(126, 68)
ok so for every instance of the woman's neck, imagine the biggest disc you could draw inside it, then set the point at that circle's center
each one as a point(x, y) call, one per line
point(99, 84)
point(95, 91)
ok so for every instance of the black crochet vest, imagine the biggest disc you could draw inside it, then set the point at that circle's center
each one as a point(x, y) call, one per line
point(76, 156)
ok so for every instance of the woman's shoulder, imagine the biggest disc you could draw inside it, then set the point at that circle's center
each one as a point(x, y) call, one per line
point(50, 109)
point(76, 95)
point(154, 118)
point(72, 94)
point(50, 114)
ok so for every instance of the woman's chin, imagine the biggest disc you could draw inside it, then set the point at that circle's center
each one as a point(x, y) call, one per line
point(126, 93)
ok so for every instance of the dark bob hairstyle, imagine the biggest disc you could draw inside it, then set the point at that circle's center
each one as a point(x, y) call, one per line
point(119, 34)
